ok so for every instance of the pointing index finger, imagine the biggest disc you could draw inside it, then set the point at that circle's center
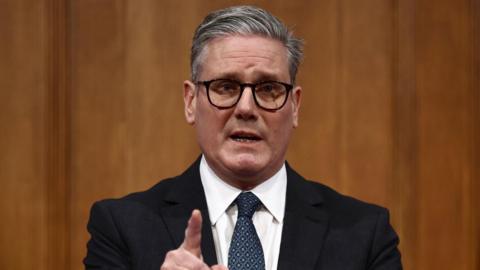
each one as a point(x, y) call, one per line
point(193, 234)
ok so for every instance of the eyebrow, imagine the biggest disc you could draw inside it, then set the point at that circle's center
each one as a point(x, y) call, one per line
point(263, 76)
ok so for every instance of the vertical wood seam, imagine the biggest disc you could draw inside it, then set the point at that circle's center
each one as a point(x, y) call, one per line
point(475, 154)
point(405, 129)
point(339, 96)
point(58, 188)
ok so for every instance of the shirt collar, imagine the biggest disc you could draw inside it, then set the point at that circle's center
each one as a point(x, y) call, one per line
point(220, 195)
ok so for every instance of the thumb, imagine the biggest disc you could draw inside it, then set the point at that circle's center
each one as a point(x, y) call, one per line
point(193, 234)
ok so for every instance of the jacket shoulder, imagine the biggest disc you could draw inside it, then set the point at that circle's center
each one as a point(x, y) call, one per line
point(151, 198)
point(344, 206)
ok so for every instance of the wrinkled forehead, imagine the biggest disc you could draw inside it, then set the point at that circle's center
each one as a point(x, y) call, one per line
point(221, 51)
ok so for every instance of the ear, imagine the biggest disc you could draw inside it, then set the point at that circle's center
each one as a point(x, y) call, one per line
point(296, 100)
point(189, 98)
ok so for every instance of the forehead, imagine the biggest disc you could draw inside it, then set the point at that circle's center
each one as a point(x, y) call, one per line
point(245, 57)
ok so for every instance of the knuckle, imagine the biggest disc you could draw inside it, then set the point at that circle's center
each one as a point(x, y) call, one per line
point(170, 258)
point(169, 255)
point(173, 253)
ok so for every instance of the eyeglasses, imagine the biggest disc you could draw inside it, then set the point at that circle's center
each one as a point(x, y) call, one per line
point(225, 93)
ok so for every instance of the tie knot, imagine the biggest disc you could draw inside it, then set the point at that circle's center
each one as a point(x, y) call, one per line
point(247, 204)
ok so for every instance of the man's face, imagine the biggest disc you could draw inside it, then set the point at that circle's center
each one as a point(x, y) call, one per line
point(242, 162)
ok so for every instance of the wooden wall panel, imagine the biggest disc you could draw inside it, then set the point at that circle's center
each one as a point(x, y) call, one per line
point(405, 130)
point(129, 60)
point(365, 84)
point(98, 112)
point(444, 81)
point(475, 151)
point(23, 144)
point(58, 135)
point(33, 135)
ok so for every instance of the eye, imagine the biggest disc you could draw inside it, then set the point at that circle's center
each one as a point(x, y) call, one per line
point(270, 90)
point(266, 87)
point(224, 86)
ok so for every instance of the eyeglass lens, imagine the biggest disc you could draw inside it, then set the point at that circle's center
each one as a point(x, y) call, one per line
point(226, 93)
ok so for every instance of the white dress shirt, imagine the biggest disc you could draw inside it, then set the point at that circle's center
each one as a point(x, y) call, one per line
point(268, 220)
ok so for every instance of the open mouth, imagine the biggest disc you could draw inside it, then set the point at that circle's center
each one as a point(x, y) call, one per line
point(245, 137)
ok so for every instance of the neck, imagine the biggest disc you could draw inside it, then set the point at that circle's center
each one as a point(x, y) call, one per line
point(243, 180)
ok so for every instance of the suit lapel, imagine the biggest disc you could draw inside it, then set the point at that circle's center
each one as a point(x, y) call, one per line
point(186, 195)
point(304, 227)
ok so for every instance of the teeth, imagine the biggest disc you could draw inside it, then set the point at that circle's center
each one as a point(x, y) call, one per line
point(244, 139)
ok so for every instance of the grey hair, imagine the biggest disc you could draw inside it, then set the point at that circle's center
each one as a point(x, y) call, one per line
point(244, 20)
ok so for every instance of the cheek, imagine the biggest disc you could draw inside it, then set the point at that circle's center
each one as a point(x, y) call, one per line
point(280, 130)
point(210, 124)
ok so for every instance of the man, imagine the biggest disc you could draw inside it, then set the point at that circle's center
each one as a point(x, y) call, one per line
point(240, 205)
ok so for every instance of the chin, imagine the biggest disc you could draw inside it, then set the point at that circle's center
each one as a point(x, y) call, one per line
point(246, 165)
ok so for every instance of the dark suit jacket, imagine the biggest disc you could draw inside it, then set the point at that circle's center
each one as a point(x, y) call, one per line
point(322, 229)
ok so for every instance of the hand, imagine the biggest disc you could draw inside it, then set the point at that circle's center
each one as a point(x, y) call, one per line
point(189, 254)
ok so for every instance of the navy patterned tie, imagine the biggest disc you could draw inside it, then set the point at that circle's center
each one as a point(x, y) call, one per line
point(246, 251)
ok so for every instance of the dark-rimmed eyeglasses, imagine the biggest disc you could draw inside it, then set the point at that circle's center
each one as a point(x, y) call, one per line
point(225, 93)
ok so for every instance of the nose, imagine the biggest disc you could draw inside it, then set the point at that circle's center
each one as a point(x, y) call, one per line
point(246, 107)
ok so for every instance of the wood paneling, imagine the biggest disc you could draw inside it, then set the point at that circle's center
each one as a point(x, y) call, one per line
point(475, 151)
point(405, 128)
point(33, 135)
point(23, 134)
point(346, 127)
point(91, 107)
point(129, 60)
point(444, 85)
point(58, 136)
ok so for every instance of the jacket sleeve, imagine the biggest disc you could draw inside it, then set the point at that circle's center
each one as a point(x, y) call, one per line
point(105, 249)
point(384, 253)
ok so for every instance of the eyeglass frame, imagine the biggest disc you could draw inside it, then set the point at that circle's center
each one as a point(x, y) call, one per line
point(252, 86)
